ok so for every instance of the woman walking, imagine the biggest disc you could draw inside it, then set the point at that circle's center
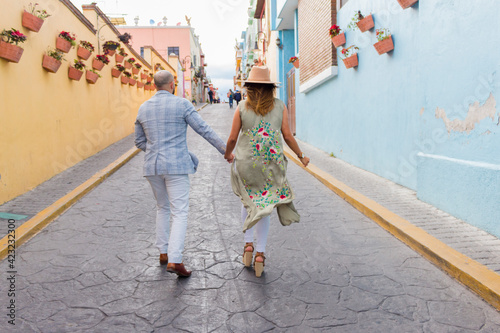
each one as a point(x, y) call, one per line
point(230, 95)
point(258, 173)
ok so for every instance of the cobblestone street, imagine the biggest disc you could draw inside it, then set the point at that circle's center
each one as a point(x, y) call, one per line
point(95, 268)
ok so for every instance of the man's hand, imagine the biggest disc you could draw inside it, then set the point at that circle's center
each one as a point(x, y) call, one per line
point(305, 161)
point(229, 158)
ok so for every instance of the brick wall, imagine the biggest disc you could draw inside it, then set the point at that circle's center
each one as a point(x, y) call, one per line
point(315, 46)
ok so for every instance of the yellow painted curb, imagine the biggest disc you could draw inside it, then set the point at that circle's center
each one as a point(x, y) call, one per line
point(479, 278)
point(31, 227)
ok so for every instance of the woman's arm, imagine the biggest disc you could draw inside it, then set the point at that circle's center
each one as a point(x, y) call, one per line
point(290, 140)
point(233, 136)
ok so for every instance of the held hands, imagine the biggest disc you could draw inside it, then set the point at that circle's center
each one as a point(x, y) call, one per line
point(305, 161)
point(229, 158)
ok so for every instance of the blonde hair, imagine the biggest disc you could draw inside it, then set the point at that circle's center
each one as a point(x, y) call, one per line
point(260, 97)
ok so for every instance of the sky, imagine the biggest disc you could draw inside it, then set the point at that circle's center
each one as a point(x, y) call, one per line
point(217, 22)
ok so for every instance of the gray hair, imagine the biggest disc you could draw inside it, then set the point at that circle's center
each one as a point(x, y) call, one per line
point(162, 78)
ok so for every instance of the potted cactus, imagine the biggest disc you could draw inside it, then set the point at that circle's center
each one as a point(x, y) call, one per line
point(75, 72)
point(33, 18)
point(9, 49)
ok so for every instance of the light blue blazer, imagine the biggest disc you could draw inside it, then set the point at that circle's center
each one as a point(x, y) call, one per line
point(160, 131)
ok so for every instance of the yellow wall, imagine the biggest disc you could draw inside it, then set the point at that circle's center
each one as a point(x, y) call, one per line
point(48, 122)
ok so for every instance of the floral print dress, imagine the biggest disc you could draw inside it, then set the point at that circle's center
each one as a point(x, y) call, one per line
point(258, 174)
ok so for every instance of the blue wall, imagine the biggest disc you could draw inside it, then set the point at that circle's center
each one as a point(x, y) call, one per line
point(288, 41)
point(389, 109)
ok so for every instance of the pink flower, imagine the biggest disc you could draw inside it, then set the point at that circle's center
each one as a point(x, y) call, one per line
point(251, 197)
point(265, 134)
point(257, 146)
point(282, 197)
point(260, 130)
point(272, 151)
point(264, 193)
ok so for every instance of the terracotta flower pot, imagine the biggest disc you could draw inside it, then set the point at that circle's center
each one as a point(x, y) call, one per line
point(296, 63)
point(115, 72)
point(119, 58)
point(351, 61)
point(407, 3)
point(128, 65)
point(338, 40)
point(74, 74)
point(32, 22)
point(124, 79)
point(83, 53)
point(143, 76)
point(50, 64)
point(63, 45)
point(91, 77)
point(132, 82)
point(149, 79)
point(147, 87)
point(384, 46)
point(140, 84)
point(10, 52)
point(110, 52)
point(135, 70)
point(366, 23)
point(97, 64)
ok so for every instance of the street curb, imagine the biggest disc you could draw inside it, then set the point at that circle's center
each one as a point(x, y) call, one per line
point(31, 227)
point(477, 277)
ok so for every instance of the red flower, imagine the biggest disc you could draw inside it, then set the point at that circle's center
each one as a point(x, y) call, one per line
point(257, 146)
point(265, 134)
point(251, 197)
point(260, 130)
point(264, 193)
point(282, 196)
point(272, 151)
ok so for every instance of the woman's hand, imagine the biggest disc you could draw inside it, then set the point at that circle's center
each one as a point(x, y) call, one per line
point(229, 158)
point(305, 161)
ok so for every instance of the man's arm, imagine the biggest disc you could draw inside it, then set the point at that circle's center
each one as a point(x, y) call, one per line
point(140, 136)
point(199, 125)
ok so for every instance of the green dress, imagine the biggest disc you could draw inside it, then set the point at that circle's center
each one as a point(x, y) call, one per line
point(258, 173)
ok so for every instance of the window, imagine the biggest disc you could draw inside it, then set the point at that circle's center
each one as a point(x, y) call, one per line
point(174, 50)
point(194, 60)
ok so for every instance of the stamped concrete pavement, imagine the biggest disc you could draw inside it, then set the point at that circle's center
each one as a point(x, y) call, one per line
point(95, 268)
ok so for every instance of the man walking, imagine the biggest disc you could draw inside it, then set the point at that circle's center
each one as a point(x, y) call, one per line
point(237, 97)
point(160, 131)
point(211, 95)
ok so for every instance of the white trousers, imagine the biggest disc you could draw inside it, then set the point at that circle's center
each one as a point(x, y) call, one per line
point(261, 229)
point(172, 198)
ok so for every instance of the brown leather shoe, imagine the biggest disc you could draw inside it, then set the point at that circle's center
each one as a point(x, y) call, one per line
point(178, 269)
point(163, 258)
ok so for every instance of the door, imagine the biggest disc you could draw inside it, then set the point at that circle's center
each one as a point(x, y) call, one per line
point(290, 78)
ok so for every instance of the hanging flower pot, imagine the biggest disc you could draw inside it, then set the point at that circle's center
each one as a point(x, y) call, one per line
point(119, 58)
point(132, 82)
point(407, 3)
point(10, 52)
point(351, 61)
point(143, 76)
point(115, 72)
point(50, 64)
point(83, 53)
point(31, 22)
point(97, 64)
point(91, 77)
point(366, 23)
point(110, 52)
point(135, 70)
point(385, 43)
point(63, 45)
point(140, 84)
point(128, 65)
point(74, 74)
point(124, 79)
point(149, 79)
point(296, 63)
point(338, 40)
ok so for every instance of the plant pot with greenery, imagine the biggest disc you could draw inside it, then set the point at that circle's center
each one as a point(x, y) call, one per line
point(150, 77)
point(117, 70)
point(33, 18)
point(75, 72)
point(84, 50)
point(110, 47)
point(385, 43)
point(140, 84)
point(350, 58)
point(129, 63)
point(294, 61)
point(65, 41)
point(91, 75)
point(133, 80)
point(361, 22)
point(338, 37)
point(99, 61)
point(9, 49)
point(407, 3)
point(120, 56)
point(136, 68)
point(52, 60)
point(126, 77)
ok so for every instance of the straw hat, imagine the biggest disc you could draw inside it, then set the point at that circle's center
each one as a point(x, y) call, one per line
point(260, 74)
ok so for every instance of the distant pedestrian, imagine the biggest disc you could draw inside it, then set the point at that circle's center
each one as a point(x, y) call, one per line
point(258, 173)
point(211, 95)
point(160, 131)
point(237, 97)
point(230, 95)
